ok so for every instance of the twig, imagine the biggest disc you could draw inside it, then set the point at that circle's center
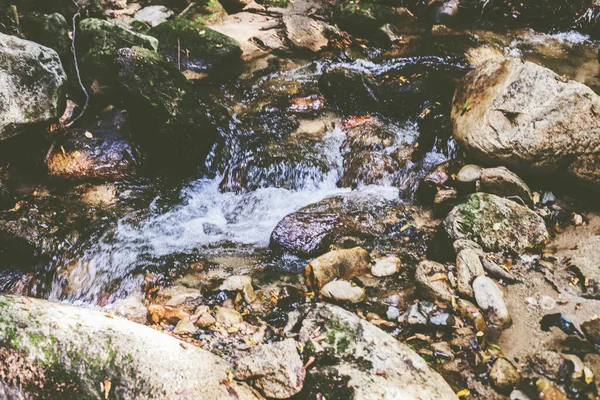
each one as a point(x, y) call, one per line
point(186, 10)
point(87, 96)
point(16, 14)
point(178, 54)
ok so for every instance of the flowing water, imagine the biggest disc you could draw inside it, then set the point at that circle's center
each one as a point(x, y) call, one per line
point(211, 216)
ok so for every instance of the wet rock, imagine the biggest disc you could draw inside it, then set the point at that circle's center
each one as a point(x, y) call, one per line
point(386, 266)
point(50, 31)
point(153, 15)
point(468, 267)
point(100, 195)
point(307, 105)
point(472, 313)
point(34, 86)
point(177, 295)
point(489, 297)
point(398, 93)
point(228, 316)
point(306, 33)
point(337, 264)
point(97, 44)
point(51, 335)
point(591, 330)
point(502, 182)
point(505, 377)
point(374, 152)
point(98, 151)
point(497, 224)
point(275, 369)
point(438, 178)
point(432, 279)
point(196, 47)
point(469, 174)
point(369, 361)
point(444, 200)
point(496, 105)
point(364, 19)
point(343, 291)
point(131, 308)
point(366, 216)
point(172, 123)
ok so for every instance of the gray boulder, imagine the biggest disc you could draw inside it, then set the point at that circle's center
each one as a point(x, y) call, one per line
point(32, 85)
point(368, 363)
point(497, 224)
point(53, 350)
point(526, 117)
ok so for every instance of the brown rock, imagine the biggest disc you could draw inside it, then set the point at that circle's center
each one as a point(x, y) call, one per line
point(337, 264)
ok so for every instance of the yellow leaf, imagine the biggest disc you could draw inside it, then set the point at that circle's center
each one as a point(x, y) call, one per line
point(588, 375)
point(463, 393)
point(107, 386)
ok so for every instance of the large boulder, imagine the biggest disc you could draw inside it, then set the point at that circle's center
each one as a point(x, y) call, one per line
point(497, 224)
point(372, 219)
point(357, 360)
point(525, 116)
point(176, 126)
point(53, 350)
point(195, 47)
point(49, 30)
point(97, 44)
point(32, 85)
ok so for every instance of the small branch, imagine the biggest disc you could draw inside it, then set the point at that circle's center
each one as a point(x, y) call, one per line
point(16, 15)
point(186, 10)
point(87, 96)
point(178, 54)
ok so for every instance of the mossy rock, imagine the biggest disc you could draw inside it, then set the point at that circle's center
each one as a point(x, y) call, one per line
point(200, 48)
point(171, 121)
point(49, 30)
point(361, 18)
point(97, 45)
point(209, 12)
point(497, 224)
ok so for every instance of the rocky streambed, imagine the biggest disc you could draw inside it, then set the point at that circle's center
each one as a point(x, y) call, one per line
point(305, 200)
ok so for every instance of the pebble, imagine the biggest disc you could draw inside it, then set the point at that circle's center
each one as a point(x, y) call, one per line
point(392, 313)
point(343, 291)
point(470, 173)
point(228, 316)
point(547, 303)
point(489, 298)
point(505, 377)
point(185, 327)
point(386, 266)
point(468, 267)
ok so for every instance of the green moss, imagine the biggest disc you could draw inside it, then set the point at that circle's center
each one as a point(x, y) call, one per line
point(469, 211)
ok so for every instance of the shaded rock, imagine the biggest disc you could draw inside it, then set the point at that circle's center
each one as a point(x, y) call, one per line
point(591, 330)
point(57, 340)
point(132, 308)
point(386, 266)
point(33, 86)
point(98, 151)
point(489, 297)
point(375, 152)
point(228, 316)
point(472, 313)
point(209, 12)
point(502, 182)
point(432, 280)
point(505, 377)
point(343, 291)
point(275, 369)
point(50, 31)
point(306, 33)
point(497, 224)
point(551, 365)
point(370, 218)
point(234, 6)
point(468, 267)
point(444, 200)
point(97, 44)
point(337, 264)
point(359, 354)
point(364, 19)
point(438, 178)
point(172, 123)
point(153, 15)
point(6, 199)
point(195, 47)
point(496, 109)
